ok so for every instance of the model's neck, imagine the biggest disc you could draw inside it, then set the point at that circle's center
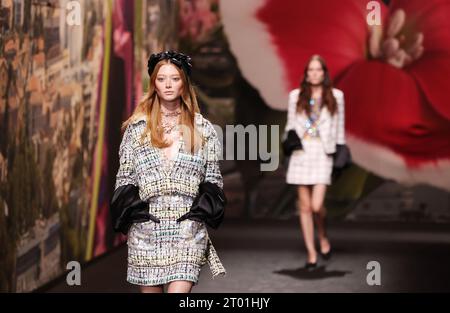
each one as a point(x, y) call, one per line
point(316, 91)
point(170, 106)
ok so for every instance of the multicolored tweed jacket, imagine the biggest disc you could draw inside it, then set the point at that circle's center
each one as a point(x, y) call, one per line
point(142, 165)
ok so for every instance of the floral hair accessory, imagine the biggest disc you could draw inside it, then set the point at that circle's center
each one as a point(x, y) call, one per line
point(181, 60)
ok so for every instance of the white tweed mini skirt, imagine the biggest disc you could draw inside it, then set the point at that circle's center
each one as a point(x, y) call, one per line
point(311, 165)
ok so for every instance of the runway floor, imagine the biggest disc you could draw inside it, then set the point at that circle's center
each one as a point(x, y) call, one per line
point(268, 256)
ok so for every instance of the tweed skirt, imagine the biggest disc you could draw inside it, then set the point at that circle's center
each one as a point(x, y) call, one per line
point(311, 165)
point(159, 253)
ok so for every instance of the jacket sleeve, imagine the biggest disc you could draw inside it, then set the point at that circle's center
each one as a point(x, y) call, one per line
point(292, 122)
point(340, 137)
point(213, 150)
point(126, 173)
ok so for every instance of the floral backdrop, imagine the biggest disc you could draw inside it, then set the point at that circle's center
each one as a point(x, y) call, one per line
point(65, 89)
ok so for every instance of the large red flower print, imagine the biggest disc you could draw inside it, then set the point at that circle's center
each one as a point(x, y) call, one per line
point(393, 75)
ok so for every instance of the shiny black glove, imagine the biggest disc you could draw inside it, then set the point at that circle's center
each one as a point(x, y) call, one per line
point(291, 142)
point(208, 206)
point(127, 208)
point(342, 158)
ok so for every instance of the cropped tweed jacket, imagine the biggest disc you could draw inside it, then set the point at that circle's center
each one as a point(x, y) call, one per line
point(141, 164)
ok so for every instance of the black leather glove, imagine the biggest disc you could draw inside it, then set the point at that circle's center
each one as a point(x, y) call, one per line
point(208, 206)
point(291, 142)
point(127, 208)
point(342, 158)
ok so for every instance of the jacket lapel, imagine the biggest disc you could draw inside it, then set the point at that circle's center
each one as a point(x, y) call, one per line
point(324, 116)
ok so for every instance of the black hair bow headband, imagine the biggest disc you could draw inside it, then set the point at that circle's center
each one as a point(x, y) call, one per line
point(181, 60)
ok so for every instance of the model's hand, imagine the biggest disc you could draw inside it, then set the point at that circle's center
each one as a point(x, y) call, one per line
point(190, 216)
point(140, 213)
point(154, 218)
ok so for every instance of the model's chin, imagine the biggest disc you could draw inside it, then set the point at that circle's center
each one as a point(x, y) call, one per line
point(316, 83)
point(171, 98)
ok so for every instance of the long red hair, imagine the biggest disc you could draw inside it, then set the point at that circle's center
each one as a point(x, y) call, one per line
point(328, 98)
point(150, 107)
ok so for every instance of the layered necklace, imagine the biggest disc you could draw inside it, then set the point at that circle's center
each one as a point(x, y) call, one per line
point(315, 107)
point(170, 120)
point(310, 124)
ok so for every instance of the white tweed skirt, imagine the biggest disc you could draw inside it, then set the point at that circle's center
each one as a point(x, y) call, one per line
point(311, 165)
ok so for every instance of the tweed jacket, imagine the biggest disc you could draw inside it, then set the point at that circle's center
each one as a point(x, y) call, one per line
point(141, 164)
point(331, 127)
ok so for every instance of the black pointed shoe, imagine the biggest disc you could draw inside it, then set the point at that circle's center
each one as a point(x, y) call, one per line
point(326, 256)
point(310, 266)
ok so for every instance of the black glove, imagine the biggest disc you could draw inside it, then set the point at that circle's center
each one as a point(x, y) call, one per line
point(342, 158)
point(291, 142)
point(127, 208)
point(208, 206)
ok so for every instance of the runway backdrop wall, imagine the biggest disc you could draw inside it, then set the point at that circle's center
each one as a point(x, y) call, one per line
point(72, 71)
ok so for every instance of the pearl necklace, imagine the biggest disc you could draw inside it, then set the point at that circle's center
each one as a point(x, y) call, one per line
point(171, 114)
point(169, 120)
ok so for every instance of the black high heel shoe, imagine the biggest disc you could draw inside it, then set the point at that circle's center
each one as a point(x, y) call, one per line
point(310, 266)
point(326, 256)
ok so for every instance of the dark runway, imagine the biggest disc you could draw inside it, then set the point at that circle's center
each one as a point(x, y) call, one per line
point(267, 256)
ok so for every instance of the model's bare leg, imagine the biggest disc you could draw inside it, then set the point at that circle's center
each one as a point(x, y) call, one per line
point(318, 197)
point(320, 219)
point(180, 286)
point(306, 222)
point(152, 289)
